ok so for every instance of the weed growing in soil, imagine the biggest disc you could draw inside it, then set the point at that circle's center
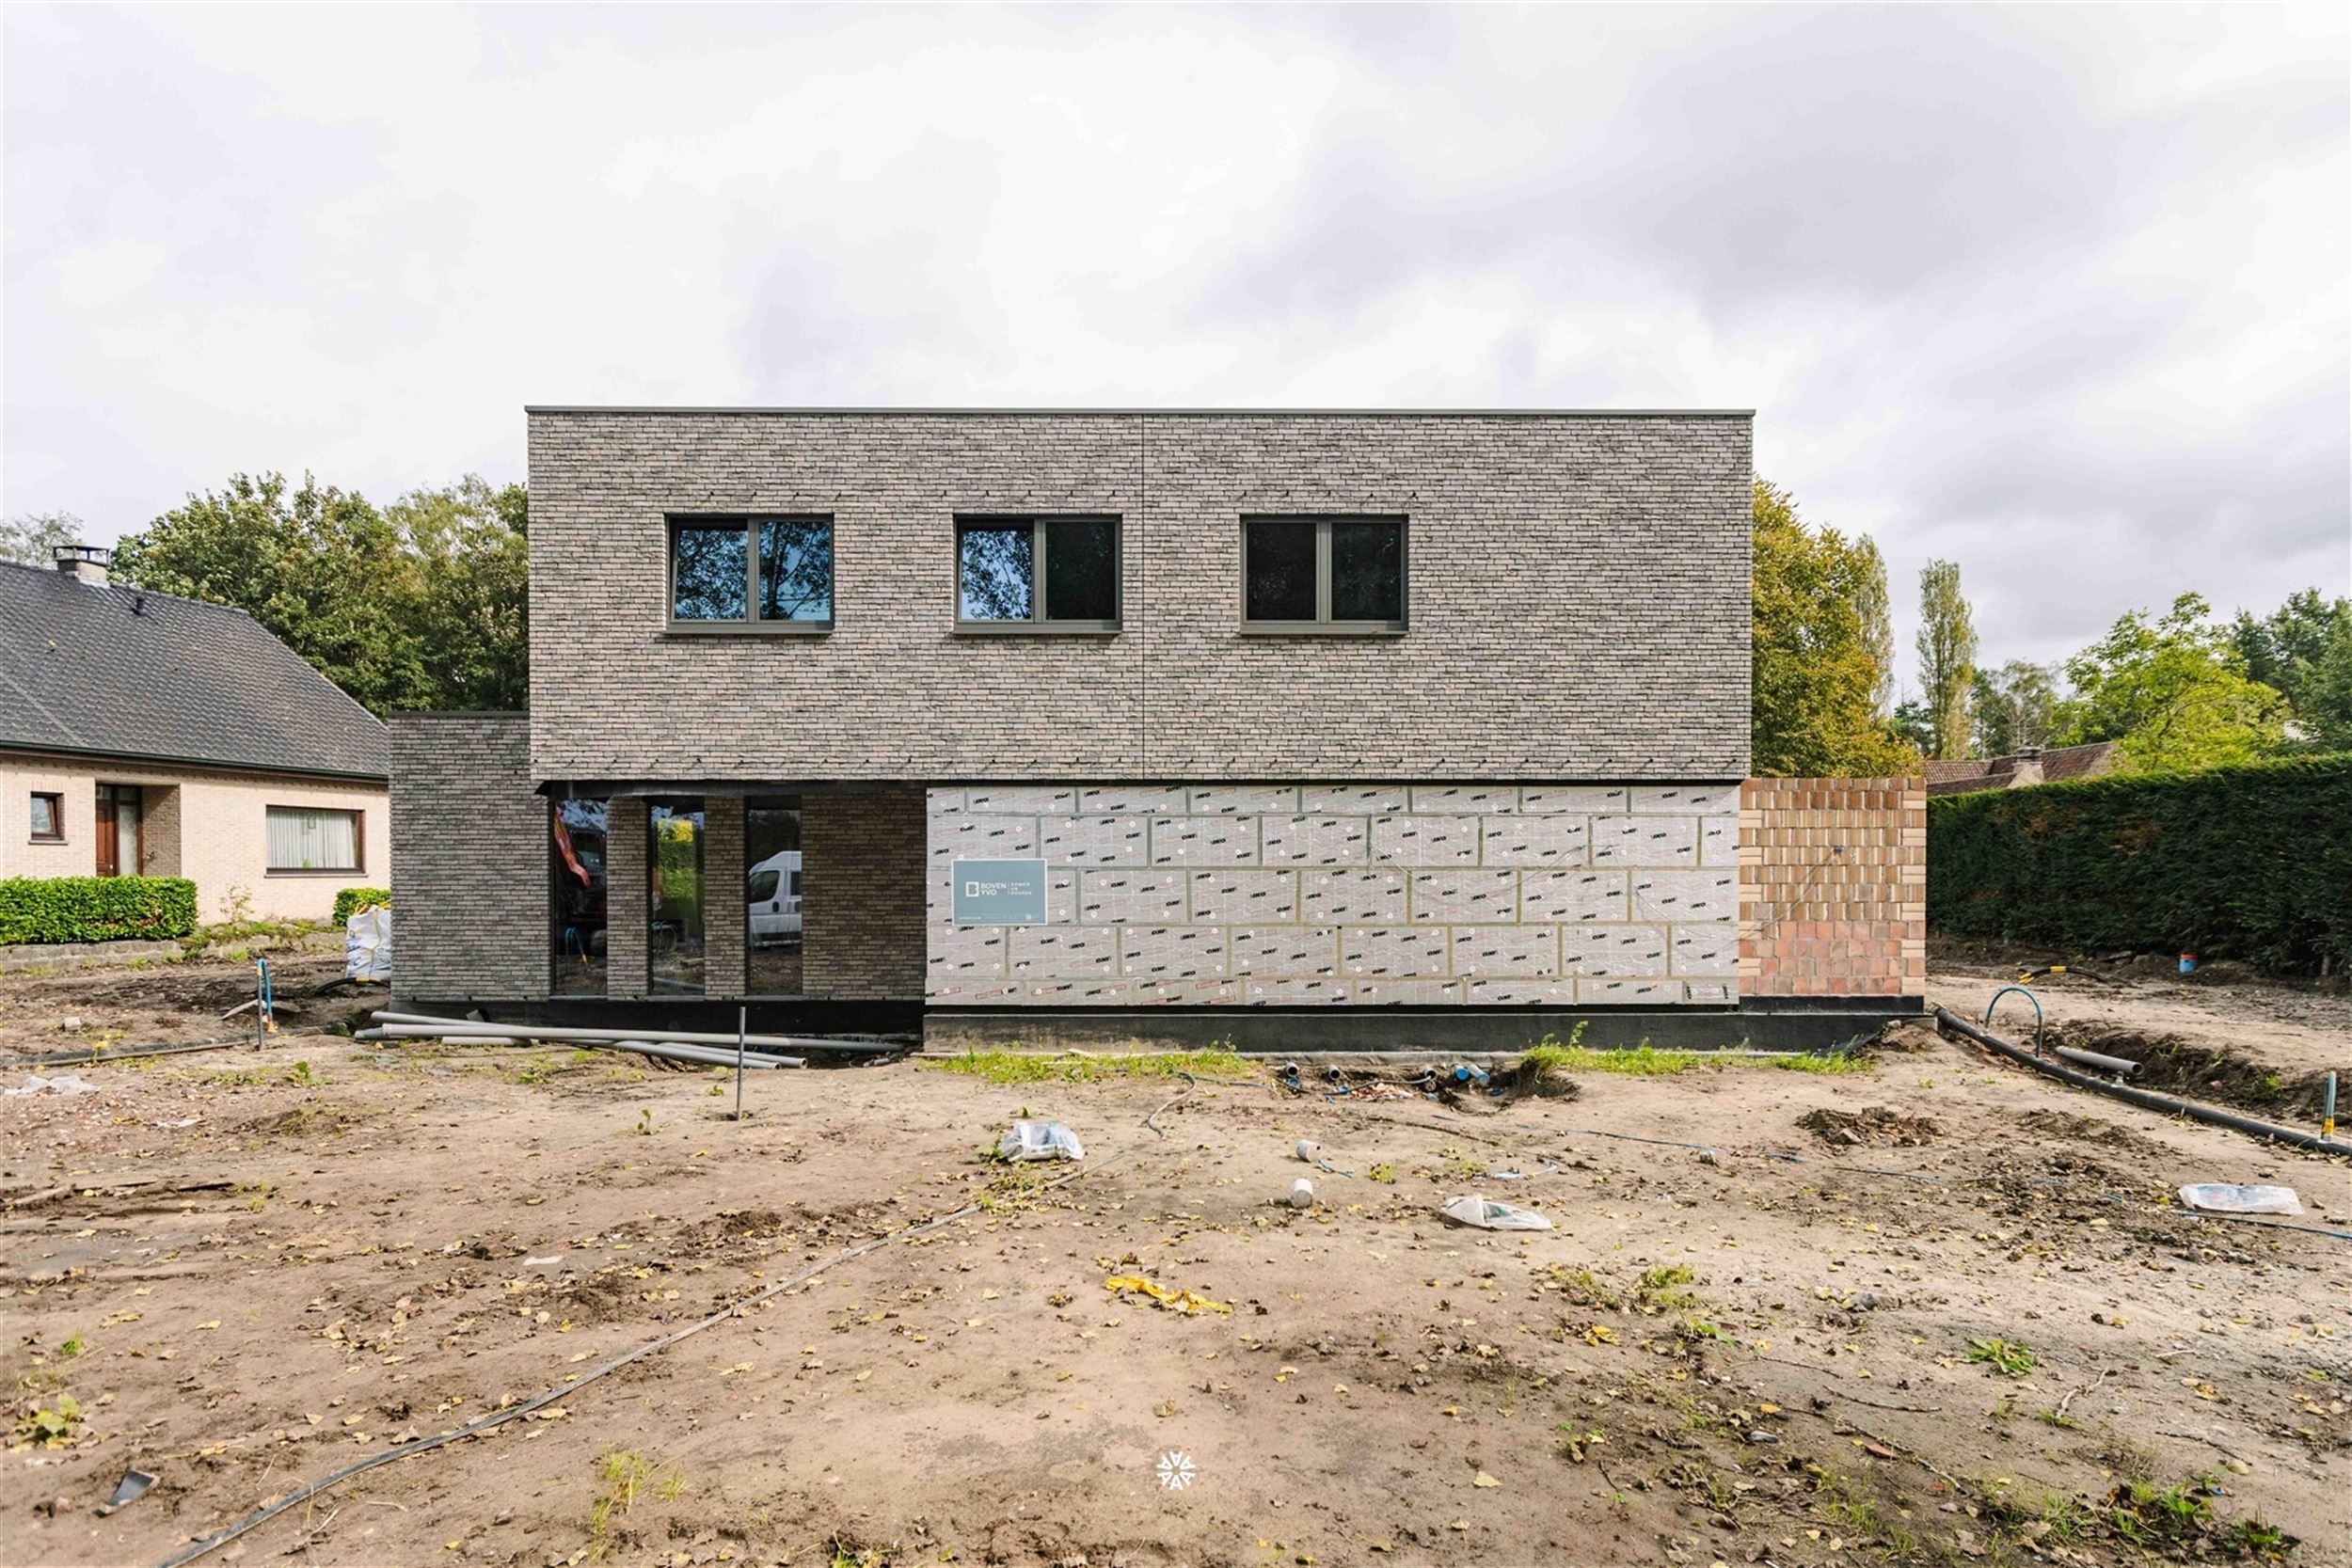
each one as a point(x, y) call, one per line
point(1661, 1290)
point(619, 1474)
point(1648, 1061)
point(2006, 1356)
point(50, 1426)
point(1020, 1066)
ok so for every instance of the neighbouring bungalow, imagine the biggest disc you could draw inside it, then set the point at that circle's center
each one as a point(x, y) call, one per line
point(145, 734)
point(2029, 765)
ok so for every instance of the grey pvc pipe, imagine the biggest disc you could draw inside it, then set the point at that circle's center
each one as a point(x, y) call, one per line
point(2150, 1098)
point(706, 1055)
point(667, 1036)
point(2092, 1058)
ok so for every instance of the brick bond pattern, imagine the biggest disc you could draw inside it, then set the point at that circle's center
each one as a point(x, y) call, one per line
point(861, 895)
point(1577, 594)
point(469, 859)
point(1833, 887)
point(1286, 895)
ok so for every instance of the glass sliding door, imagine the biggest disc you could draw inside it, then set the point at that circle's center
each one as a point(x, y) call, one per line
point(771, 895)
point(576, 867)
point(674, 861)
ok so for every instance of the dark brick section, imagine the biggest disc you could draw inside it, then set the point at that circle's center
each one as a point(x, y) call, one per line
point(1579, 599)
point(626, 846)
point(469, 856)
point(862, 894)
point(724, 933)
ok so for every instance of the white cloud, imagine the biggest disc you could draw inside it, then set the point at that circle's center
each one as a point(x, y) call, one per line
point(2062, 295)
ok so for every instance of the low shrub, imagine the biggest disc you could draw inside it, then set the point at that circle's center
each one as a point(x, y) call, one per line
point(353, 899)
point(95, 908)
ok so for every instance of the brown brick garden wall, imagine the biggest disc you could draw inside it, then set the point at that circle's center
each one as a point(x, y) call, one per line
point(1833, 887)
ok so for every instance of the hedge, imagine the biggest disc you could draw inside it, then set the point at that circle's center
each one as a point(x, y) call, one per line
point(353, 899)
point(2251, 863)
point(96, 909)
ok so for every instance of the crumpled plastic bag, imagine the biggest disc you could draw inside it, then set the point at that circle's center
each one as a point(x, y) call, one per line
point(35, 1083)
point(1039, 1140)
point(2219, 1197)
point(368, 945)
point(1487, 1214)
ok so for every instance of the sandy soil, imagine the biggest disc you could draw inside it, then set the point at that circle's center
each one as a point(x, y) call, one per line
point(269, 1270)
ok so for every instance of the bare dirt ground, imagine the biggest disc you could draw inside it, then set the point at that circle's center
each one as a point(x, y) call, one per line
point(1962, 1326)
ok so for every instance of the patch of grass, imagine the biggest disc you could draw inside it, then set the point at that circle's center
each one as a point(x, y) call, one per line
point(1584, 1287)
point(74, 1346)
point(2006, 1356)
point(1460, 1165)
point(1646, 1061)
point(1661, 1288)
point(1078, 1066)
point(1833, 1063)
point(301, 1076)
point(619, 1475)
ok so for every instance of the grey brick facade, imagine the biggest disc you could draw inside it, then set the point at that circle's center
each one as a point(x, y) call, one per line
point(470, 856)
point(863, 895)
point(1578, 599)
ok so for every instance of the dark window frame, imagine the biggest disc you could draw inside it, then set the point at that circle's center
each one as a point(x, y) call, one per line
point(1323, 625)
point(358, 866)
point(751, 624)
point(57, 816)
point(1038, 624)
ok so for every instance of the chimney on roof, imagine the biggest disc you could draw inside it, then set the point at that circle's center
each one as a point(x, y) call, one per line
point(86, 563)
point(2028, 770)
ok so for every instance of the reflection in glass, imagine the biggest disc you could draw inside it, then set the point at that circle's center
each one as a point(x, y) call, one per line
point(710, 572)
point(1281, 571)
point(1367, 571)
point(1081, 569)
point(771, 896)
point(994, 571)
point(795, 569)
point(674, 860)
point(576, 866)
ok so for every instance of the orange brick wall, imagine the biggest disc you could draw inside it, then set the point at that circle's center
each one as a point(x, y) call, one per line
point(1833, 887)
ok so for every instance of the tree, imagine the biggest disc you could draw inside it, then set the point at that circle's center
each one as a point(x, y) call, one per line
point(1911, 727)
point(1816, 680)
point(35, 538)
point(472, 613)
point(2172, 693)
point(2303, 649)
point(2013, 707)
point(422, 605)
point(1947, 656)
point(1877, 625)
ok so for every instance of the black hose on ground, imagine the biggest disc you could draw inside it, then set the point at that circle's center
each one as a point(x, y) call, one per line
point(2150, 1098)
point(99, 1056)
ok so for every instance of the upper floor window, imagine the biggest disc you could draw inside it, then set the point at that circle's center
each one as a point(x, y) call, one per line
point(1036, 574)
point(1323, 573)
point(773, 574)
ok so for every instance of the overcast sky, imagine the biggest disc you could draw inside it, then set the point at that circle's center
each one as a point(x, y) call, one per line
point(2062, 295)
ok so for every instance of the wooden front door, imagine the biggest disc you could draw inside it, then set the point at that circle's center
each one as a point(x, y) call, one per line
point(118, 836)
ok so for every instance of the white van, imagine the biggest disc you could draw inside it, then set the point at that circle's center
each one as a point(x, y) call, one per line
point(773, 892)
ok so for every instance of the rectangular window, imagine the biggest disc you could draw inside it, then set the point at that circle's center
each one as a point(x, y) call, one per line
point(769, 573)
point(674, 912)
point(48, 817)
point(304, 839)
point(1323, 573)
point(771, 896)
point(1015, 574)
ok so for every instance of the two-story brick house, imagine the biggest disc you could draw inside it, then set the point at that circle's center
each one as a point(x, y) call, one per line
point(1071, 724)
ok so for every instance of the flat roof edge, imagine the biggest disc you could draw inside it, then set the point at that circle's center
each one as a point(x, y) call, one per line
point(789, 410)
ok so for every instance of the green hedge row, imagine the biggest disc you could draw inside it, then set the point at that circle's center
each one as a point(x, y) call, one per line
point(353, 899)
point(96, 909)
point(2251, 863)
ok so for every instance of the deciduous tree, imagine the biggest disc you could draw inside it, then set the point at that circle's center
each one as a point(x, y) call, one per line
point(2171, 693)
point(1947, 657)
point(1816, 679)
point(2014, 706)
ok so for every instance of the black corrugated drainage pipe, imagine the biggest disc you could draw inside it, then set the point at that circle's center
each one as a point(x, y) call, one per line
point(2212, 1116)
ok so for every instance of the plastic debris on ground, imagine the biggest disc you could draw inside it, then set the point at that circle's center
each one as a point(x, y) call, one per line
point(36, 1084)
point(368, 945)
point(130, 1489)
point(1487, 1214)
point(2219, 1197)
point(1165, 1298)
point(1039, 1140)
point(1302, 1194)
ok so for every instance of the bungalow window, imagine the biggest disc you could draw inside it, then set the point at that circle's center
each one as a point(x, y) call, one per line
point(48, 818)
point(766, 574)
point(1036, 574)
point(1323, 573)
point(302, 840)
